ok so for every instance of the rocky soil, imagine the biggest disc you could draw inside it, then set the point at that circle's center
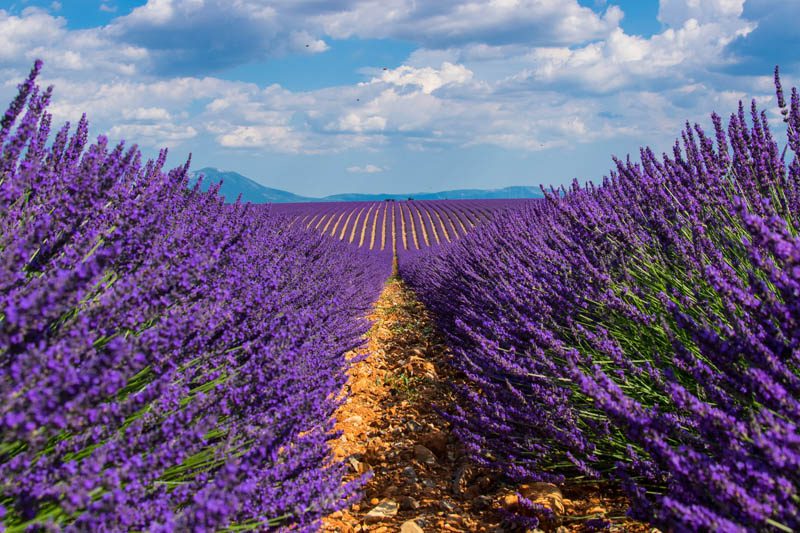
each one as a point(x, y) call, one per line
point(421, 479)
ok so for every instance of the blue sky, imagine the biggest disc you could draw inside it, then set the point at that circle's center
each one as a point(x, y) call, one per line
point(320, 97)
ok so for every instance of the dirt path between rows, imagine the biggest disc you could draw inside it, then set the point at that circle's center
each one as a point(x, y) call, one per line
point(421, 479)
point(390, 428)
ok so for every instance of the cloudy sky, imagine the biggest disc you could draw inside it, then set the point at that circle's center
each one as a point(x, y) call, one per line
point(326, 96)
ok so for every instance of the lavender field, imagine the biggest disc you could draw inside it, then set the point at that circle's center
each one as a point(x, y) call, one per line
point(392, 227)
point(170, 362)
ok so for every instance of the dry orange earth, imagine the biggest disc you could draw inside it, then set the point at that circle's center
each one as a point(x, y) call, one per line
point(419, 472)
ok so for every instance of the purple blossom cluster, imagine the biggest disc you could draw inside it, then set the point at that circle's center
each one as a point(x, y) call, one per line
point(645, 331)
point(167, 361)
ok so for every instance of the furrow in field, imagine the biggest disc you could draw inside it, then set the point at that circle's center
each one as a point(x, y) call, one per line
point(365, 226)
point(338, 221)
point(402, 227)
point(488, 212)
point(466, 215)
point(331, 216)
point(380, 237)
point(469, 215)
point(442, 227)
point(410, 216)
point(383, 226)
point(455, 225)
point(433, 233)
point(432, 224)
point(374, 226)
point(443, 214)
point(355, 225)
point(344, 224)
point(312, 220)
point(292, 219)
point(456, 219)
point(424, 230)
point(481, 214)
point(324, 223)
point(316, 220)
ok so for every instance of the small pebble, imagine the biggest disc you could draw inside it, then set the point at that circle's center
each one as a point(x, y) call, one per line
point(385, 509)
point(424, 455)
point(411, 526)
point(410, 474)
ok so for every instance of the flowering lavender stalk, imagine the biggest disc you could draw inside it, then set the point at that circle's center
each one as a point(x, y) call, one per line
point(167, 361)
point(644, 330)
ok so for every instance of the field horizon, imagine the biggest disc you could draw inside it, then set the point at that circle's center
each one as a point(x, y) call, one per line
point(235, 184)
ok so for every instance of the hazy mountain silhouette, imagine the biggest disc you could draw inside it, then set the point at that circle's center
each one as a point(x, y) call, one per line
point(234, 184)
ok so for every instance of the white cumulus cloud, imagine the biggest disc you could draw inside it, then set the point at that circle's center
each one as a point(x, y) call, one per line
point(428, 79)
point(526, 75)
point(675, 13)
point(366, 169)
point(458, 21)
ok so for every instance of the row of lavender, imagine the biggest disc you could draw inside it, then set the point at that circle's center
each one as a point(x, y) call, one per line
point(645, 331)
point(157, 345)
point(401, 226)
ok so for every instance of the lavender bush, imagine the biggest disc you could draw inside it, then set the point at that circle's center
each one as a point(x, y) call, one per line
point(646, 330)
point(167, 361)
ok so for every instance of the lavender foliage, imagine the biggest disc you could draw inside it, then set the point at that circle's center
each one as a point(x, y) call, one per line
point(646, 330)
point(167, 361)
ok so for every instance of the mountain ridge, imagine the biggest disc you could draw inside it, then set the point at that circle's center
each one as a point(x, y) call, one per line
point(234, 184)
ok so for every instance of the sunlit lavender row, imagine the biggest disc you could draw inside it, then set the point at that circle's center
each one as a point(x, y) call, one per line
point(157, 345)
point(644, 331)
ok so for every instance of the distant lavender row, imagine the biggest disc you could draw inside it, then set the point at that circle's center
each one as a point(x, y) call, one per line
point(167, 362)
point(647, 330)
point(404, 226)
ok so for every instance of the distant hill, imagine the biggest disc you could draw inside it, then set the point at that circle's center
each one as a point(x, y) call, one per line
point(457, 194)
point(234, 184)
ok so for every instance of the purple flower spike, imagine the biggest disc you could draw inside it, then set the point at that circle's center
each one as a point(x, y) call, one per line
point(645, 331)
point(168, 362)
